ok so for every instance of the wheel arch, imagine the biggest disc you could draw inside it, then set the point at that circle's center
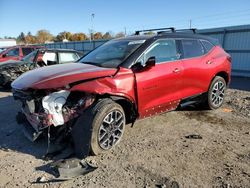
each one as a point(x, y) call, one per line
point(224, 75)
point(128, 106)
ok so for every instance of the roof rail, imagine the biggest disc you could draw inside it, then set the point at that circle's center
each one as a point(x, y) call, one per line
point(183, 30)
point(166, 30)
point(178, 30)
point(172, 29)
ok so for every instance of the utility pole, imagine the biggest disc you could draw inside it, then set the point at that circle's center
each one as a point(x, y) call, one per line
point(92, 26)
point(125, 31)
point(190, 24)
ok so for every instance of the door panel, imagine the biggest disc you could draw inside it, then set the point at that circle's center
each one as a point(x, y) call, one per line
point(158, 87)
point(193, 76)
point(198, 68)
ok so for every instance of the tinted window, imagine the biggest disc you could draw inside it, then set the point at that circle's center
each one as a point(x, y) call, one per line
point(208, 46)
point(66, 57)
point(26, 51)
point(112, 53)
point(30, 57)
point(13, 52)
point(192, 48)
point(163, 50)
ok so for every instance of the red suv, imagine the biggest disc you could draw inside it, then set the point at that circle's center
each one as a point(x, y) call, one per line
point(16, 52)
point(119, 82)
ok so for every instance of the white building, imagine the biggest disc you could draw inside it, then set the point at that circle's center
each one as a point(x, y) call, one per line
point(7, 42)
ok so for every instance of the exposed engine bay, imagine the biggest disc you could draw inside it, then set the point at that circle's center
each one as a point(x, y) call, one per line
point(10, 73)
point(56, 110)
point(55, 113)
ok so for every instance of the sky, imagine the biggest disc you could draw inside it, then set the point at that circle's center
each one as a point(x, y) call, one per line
point(18, 16)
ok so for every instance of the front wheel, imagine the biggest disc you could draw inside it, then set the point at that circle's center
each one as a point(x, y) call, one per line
point(108, 127)
point(99, 128)
point(216, 93)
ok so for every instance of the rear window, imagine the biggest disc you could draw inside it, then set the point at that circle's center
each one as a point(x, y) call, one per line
point(27, 51)
point(192, 48)
point(207, 45)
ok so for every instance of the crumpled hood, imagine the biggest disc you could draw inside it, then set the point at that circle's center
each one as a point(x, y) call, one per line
point(11, 63)
point(57, 76)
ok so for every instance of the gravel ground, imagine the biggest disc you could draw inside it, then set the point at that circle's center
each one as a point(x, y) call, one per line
point(154, 153)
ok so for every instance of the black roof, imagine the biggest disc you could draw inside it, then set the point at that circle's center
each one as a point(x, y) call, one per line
point(135, 37)
point(188, 36)
point(181, 35)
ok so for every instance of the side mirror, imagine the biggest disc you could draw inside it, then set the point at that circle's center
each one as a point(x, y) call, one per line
point(51, 62)
point(150, 62)
point(138, 67)
point(4, 55)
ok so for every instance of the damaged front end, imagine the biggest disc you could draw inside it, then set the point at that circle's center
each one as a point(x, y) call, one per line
point(9, 73)
point(54, 113)
point(54, 110)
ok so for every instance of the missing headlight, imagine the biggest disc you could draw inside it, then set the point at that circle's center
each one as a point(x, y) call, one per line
point(53, 104)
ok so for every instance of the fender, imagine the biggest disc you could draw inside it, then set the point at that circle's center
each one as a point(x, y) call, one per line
point(122, 84)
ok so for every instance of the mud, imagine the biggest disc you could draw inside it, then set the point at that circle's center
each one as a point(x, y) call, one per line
point(154, 153)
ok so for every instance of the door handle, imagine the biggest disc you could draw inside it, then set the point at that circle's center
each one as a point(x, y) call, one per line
point(176, 70)
point(209, 62)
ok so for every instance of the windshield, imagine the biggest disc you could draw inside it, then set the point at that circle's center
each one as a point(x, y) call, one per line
point(2, 49)
point(112, 53)
point(30, 57)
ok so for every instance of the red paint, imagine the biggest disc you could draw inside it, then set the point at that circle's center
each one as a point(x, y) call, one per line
point(3, 56)
point(158, 86)
point(59, 76)
point(155, 90)
point(199, 71)
point(121, 84)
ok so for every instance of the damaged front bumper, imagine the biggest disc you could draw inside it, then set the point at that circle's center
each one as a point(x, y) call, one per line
point(54, 109)
point(5, 79)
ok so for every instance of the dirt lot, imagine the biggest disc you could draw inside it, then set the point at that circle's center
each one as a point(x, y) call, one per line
point(154, 153)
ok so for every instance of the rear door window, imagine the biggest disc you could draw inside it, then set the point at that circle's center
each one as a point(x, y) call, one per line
point(66, 57)
point(26, 51)
point(192, 48)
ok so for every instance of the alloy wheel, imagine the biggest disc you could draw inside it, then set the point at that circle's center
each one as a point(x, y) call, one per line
point(111, 129)
point(218, 92)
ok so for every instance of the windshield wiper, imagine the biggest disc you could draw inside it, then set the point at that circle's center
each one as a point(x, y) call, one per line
point(86, 62)
point(92, 63)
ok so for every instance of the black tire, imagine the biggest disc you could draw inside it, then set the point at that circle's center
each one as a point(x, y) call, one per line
point(216, 93)
point(93, 118)
point(102, 113)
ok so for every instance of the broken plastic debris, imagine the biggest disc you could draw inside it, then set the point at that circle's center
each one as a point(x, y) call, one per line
point(227, 110)
point(70, 168)
point(41, 179)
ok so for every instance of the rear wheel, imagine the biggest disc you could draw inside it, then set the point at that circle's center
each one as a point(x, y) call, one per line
point(216, 93)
